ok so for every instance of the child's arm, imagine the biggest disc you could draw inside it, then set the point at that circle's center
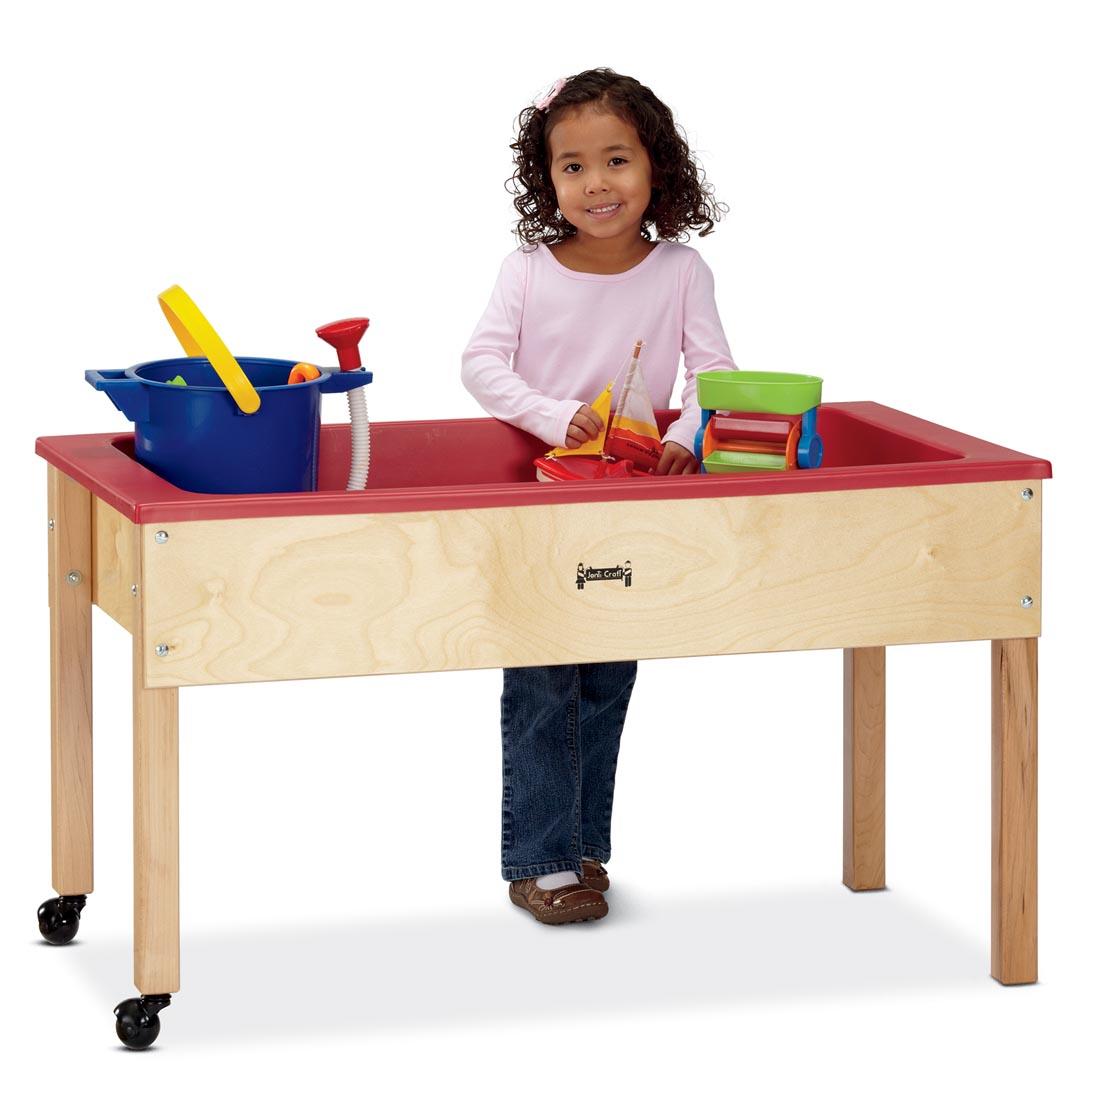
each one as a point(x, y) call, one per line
point(705, 348)
point(487, 365)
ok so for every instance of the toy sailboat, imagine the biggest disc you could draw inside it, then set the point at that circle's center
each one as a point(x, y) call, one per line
point(630, 445)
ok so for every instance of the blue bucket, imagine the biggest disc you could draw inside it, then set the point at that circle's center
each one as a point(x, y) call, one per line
point(195, 436)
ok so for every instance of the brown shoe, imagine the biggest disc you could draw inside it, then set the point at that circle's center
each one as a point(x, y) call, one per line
point(594, 874)
point(561, 906)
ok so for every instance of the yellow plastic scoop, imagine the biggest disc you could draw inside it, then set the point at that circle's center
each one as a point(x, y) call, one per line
point(198, 338)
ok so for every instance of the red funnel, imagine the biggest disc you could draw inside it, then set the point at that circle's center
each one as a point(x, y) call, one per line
point(344, 336)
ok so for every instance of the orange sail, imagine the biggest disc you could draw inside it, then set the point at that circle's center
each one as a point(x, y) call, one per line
point(633, 432)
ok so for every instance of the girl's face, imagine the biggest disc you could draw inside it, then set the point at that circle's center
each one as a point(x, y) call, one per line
point(597, 160)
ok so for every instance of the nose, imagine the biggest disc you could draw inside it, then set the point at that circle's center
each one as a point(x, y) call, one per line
point(594, 184)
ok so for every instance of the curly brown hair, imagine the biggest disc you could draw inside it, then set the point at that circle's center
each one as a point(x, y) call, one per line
point(681, 199)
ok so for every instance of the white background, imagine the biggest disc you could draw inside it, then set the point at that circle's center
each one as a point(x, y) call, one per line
point(913, 215)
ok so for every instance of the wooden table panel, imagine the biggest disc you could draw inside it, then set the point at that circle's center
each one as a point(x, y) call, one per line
point(341, 595)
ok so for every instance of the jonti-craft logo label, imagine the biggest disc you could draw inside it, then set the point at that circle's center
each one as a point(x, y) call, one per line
point(587, 573)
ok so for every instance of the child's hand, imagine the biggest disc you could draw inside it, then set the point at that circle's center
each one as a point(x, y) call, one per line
point(584, 426)
point(676, 460)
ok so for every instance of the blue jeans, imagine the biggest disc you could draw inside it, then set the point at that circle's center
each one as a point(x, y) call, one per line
point(560, 727)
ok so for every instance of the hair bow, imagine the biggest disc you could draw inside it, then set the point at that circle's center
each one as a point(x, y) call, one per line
point(543, 103)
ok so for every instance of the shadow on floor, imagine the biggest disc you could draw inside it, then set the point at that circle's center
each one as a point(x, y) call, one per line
point(499, 966)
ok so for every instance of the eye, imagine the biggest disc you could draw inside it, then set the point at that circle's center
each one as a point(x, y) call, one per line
point(566, 171)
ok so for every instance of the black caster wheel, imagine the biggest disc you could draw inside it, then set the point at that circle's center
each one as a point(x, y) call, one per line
point(137, 1022)
point(59, 918)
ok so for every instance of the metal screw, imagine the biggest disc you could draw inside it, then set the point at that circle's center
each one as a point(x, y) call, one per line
point(1027, 601)
point(133, 590)
point(162, 650)
point(74, 576)
point(51, 524)
point(161, 536)
point(1027, 494)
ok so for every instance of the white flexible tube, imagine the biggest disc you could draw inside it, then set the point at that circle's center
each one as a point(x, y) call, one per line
point(360, 439)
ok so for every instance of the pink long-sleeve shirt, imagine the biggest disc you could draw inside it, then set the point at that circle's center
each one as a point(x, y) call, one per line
point(551, 338)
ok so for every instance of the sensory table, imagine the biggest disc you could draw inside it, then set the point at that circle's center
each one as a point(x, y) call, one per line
point(455, 557)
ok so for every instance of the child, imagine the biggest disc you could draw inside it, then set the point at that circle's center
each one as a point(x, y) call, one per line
point(598, 160)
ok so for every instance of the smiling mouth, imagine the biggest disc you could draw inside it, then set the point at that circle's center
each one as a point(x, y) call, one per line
point(603, 211)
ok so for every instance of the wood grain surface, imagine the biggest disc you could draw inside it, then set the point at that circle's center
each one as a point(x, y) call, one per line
point(865, 768)
point(70, 552)
point(281, 598)
point(1015, 854)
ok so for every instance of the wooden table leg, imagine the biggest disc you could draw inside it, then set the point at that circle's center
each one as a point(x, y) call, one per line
point(156, 829)
point(1015, 811)
point(70, 588)
point(865, 768)
point(156, 849)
